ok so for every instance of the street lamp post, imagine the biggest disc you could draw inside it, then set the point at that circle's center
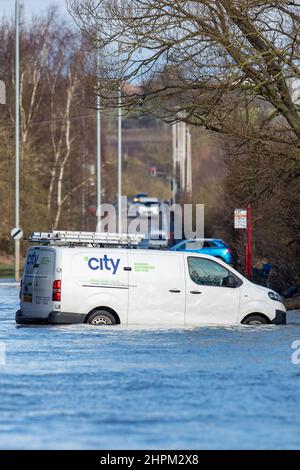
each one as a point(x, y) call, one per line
point(17, 140)
point(120, 162)
point(98, 149)
point(98, 163)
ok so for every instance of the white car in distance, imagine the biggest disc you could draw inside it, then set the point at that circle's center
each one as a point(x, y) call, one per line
point(146, 207)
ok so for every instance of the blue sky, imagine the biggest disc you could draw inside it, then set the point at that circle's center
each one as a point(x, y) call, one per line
point(7, 7)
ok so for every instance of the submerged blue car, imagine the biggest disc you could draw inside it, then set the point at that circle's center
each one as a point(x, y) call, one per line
point(207, 246)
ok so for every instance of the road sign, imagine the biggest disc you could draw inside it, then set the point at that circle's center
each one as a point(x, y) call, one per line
point(16, 233)
point(240, 218)
point(152, 171)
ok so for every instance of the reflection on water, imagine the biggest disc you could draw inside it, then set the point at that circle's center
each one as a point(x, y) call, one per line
point(84, 387)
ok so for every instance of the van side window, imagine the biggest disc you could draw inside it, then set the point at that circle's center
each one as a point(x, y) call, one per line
point(206, 272)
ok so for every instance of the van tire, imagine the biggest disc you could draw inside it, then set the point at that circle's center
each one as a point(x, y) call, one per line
point(101, 317)
point(255, 320)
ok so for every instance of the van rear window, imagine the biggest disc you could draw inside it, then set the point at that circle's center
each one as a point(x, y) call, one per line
point(39, 262)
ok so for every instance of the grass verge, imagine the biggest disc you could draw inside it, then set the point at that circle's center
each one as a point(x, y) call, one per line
point(6, 270)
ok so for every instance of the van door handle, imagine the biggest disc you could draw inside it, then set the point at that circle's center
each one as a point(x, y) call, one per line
point(195, 292)
point(174, 291)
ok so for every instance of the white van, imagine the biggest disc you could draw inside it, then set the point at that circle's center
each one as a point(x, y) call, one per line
point(85, 284)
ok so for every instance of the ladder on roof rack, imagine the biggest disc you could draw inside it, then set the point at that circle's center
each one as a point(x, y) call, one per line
point(57, 237)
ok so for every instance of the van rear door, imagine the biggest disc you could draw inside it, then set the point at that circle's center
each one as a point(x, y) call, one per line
point(37, 282)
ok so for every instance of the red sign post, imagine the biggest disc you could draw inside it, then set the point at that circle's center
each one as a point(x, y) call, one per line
point(242, 220)
point(248, 258)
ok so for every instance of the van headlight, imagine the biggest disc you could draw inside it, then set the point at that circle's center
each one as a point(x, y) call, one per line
point(274, 296)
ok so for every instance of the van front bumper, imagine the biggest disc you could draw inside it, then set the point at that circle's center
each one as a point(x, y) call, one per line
point(280, 318)
point(54, 318)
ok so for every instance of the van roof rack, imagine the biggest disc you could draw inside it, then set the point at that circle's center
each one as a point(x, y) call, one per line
point(57, 237)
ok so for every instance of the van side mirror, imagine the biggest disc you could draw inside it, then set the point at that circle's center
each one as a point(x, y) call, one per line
point(230, 281)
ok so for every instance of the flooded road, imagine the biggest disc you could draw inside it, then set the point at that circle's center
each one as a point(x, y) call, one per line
point(83, 387)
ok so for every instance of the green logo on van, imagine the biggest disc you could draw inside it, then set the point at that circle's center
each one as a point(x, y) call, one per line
point(143, 267)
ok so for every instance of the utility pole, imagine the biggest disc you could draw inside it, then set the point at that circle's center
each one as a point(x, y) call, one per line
point(98, 149)
point(182, 156)
point(188, 161)
point(98, 162)
point(2, 92)
point(17, 140)
point(120, 162)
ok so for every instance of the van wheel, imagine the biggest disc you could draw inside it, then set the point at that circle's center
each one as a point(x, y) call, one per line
point(101, 317)
point(255, 320)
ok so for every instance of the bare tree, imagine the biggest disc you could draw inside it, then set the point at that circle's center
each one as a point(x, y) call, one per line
point(37, 49)
point(64, 80)
point(63, 156)
point(268, 176)
point(198, 60)
point(52, 70)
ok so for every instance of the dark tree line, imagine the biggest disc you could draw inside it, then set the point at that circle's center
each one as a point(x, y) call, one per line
point(227, 66)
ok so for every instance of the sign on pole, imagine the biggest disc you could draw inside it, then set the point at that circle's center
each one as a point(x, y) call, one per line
point(17, 233)
point(240, 218)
